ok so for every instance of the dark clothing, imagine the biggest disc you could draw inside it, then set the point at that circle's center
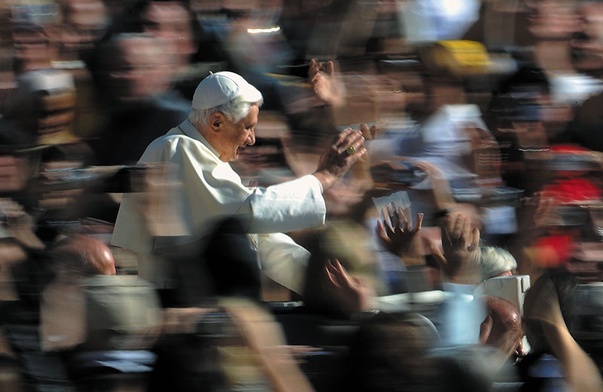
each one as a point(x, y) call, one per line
point(586, 129)
point(131, 129)
point(225, 266)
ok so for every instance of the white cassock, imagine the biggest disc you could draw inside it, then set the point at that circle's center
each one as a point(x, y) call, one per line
point(205, 190)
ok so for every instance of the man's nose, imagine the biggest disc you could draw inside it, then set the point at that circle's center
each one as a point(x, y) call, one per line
point(251, 138)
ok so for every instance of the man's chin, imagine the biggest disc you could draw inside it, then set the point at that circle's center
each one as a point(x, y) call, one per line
point(235, 156)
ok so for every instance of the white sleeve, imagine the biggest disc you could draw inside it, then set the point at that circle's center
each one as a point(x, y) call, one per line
point(283, 260)
point(292, 205)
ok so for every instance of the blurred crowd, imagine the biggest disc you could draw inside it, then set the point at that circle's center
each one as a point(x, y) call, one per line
point(464, 252)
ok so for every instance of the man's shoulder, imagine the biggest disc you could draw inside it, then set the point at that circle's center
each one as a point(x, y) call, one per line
point(174, 142)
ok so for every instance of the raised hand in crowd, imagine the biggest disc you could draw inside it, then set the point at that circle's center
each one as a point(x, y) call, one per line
point(324, 79)
point(396, 233)
point(369, 133)
point(352, 293)
point(440, 185)
point(460, 242)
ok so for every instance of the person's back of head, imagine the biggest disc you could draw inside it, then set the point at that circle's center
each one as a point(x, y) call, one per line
point(495, 261)
point(519, 98)
point(472, 368)
point(340, 249)
point(550, 321)
point(83, 256)
point(92, 308)
point(550, 300)
point(502, 327)
point(391, 353)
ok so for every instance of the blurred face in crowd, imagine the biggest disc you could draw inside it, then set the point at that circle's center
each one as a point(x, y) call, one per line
point(170, 21)
point(587, 48)
point(84, 21)
point(13, 173)
point(114, 7)
point(233, 137)
point(552, 20)
point(135, 68)
point(31, 48)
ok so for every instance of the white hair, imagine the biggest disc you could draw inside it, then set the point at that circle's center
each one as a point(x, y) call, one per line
point(235, 111)
point(494, 261)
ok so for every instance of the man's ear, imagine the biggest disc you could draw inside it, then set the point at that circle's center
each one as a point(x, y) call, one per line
point(216, 120)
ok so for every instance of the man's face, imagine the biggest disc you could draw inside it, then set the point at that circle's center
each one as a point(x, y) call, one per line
point(136, 70)
point(84, 22)
point(170, 20)
point(234, 137)
point(587, 48)
point(31, 49)
point(552, 20)
point(14, 173)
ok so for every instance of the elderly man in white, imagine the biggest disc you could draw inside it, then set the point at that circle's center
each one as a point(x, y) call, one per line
point(221, 124)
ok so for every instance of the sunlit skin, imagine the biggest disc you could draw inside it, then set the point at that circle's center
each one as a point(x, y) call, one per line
point(169, 20)
point(31, 49)
point(13, 173)
point(228, 138)
point(552, 19)
point(588, 49)
point(84, 256)
point(84, 21)
point(134, 69)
